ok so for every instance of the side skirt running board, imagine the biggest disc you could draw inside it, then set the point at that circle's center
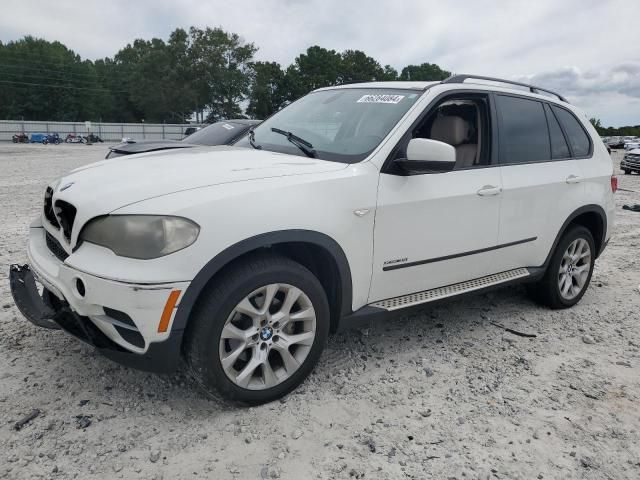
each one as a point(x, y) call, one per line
point(434, 294)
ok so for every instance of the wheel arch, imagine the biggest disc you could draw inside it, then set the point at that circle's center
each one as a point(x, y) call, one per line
point(594, 218)
point(316, 251)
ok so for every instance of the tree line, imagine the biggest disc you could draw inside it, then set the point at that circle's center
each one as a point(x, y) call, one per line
point(208, 71)
point(626, 131)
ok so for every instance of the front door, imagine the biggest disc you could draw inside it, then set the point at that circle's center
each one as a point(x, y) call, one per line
point(433, 230)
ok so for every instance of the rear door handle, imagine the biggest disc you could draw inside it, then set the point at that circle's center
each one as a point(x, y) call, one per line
point(489, 190)
point(573, 179)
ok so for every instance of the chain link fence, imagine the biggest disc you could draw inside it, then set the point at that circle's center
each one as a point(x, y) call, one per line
point(109, 132)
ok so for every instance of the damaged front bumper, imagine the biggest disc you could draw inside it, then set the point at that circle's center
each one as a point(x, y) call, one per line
point(131, 323)
point(46, 310)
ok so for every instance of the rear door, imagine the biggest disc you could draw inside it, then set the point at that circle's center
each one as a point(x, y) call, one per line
point(542, 181)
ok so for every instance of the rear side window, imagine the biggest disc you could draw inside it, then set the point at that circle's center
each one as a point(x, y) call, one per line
point(524, 136)
point(578, 138)
point(559, 147)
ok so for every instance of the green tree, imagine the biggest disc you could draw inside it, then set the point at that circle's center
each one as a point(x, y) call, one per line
point(425, 72)
point(45, 80)
point(222, 66)
point(316, 68)
point(597, 125)
point(268, 89)
point(356, 66)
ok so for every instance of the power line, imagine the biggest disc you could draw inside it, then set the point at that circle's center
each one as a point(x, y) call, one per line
point(63, 86)
point(39, 76)
point(48, 70)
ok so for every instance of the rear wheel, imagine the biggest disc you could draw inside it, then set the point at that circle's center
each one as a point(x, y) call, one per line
point(569, 271)
point(626, 171)
point(258, 333)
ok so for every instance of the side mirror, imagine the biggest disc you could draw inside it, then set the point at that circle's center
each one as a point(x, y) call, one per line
point(427, 156)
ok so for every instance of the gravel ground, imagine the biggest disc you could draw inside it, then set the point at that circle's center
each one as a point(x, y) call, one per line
point(441, 394)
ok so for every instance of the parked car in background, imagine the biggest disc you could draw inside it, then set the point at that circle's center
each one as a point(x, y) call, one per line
point(219, 133)
point(632, 144)
point(242, 259)
point(631, 162)
point(606, 144)
point(191, 130)
point(616, 142)
point(20, 138)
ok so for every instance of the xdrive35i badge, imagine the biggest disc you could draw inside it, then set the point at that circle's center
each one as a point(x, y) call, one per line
point(65, 186)
point(397, 260)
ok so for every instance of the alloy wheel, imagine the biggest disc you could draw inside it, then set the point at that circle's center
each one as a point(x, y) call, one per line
point(574, 269)
point(267, 336)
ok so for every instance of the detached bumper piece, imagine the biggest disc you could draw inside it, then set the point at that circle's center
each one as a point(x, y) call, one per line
point(38, 309)
point(48, 311)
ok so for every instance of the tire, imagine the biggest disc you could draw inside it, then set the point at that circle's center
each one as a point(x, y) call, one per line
point(627, 171)
point(206, 344)
point(548, 291)
point(45, 141)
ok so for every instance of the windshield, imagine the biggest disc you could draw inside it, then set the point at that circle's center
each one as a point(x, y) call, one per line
point(220, 133)
point(342, 125)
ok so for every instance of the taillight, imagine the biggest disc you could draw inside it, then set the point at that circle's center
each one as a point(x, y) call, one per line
point(614, 183)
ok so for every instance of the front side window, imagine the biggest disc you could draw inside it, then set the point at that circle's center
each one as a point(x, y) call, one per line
point(524, 136)
point(578, 138)
point(342, 125)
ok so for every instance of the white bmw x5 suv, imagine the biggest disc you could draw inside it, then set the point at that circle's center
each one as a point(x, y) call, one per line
point(350, 203)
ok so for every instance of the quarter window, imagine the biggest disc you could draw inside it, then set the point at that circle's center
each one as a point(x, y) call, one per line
point(578, 138)
point(524, 136)
point(559, 147)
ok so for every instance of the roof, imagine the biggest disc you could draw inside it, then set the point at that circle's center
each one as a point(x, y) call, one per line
point(392, 85)
point(456, 79)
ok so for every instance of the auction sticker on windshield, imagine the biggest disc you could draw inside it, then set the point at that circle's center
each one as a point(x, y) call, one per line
point(380, 99)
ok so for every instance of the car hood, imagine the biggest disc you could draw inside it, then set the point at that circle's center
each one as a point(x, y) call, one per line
point(105, 186)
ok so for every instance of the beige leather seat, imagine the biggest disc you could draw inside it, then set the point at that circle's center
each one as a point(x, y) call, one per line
point(454, 131)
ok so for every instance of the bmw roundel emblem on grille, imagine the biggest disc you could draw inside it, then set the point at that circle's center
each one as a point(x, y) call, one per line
point(65, 186)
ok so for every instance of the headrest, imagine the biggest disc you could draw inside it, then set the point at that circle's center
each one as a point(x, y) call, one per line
point(450, 129)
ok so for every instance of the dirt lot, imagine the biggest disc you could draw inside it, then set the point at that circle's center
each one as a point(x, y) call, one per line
point(442, 394)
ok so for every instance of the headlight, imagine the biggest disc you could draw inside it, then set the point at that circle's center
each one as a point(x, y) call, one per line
point(141, 236)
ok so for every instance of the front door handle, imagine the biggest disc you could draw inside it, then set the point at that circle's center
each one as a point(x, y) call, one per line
point(489, 190)
point(573, 179)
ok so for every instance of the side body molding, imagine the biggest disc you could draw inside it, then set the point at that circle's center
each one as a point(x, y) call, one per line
point(261, 241)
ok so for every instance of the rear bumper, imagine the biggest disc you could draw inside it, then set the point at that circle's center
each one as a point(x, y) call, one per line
point(50, 312)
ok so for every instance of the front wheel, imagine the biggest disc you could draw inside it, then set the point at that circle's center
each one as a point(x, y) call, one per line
point(569, 271)
point(627, 171)
point(258, 333)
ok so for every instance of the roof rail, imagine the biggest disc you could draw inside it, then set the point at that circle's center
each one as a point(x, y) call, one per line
point(533, 89)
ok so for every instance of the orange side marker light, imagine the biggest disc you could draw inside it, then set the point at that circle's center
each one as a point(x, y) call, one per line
point(168, 310)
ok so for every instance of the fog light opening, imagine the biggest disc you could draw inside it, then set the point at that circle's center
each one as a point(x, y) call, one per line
point(80, 287)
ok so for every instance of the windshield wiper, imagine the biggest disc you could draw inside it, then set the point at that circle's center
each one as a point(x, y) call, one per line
point(252, 139)
point(299, 142)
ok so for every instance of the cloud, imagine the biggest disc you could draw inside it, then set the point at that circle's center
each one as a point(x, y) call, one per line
point(515, 39)
point(623, 79)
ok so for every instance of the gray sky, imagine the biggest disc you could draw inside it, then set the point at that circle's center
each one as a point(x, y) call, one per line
point(587, 49)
